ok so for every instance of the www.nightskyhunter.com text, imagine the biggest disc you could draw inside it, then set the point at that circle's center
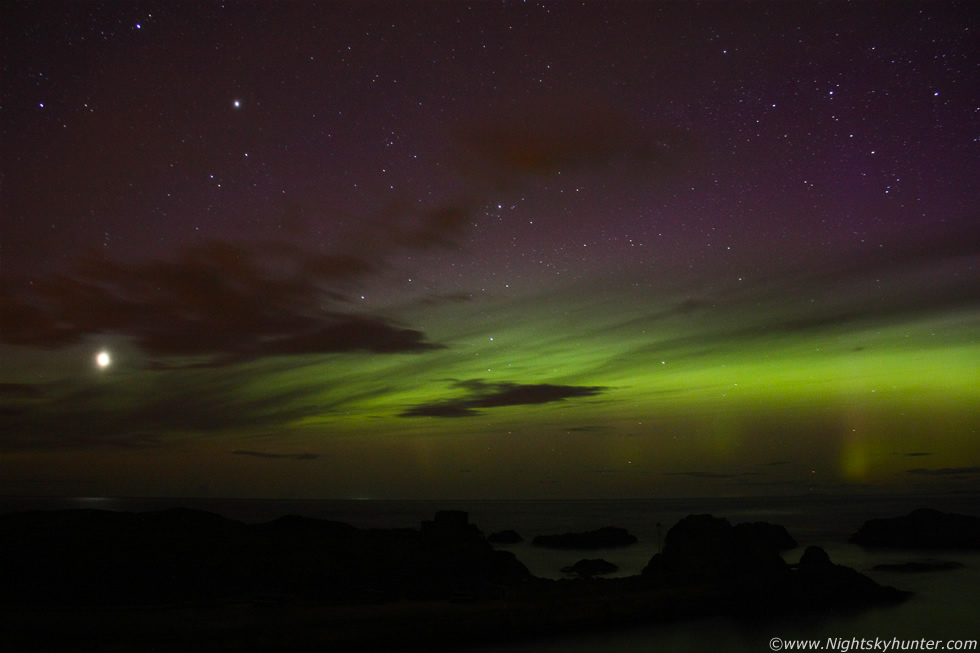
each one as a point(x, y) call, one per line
point(843, 645)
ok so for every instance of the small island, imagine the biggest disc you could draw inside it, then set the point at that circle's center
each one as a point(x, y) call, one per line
point(589, 567)
point(605, 537)
point(920, 566)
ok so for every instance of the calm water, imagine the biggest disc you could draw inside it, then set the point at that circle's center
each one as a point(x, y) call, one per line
point(944, 605)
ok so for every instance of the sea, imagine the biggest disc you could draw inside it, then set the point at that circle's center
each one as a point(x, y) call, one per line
point(943, 608)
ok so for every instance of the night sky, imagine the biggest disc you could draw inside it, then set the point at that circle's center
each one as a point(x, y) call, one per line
point(489, 250)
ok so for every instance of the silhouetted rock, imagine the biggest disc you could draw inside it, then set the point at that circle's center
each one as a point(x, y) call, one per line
point(91, 557)
point(818, 583)
point(456, 558)
point(449, 521)
point(921, 529)
point(920, 566)
point(587, 568)
point(814, 557)
point(753, 579)
point(94, 556)
point(706, 547)
point(452, 527)
point(606, 537)
point(304, 525)
point(505, 537)
point(765, 534)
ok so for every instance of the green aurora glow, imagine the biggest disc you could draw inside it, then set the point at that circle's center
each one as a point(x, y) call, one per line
point(489, 250)
point(697, 401)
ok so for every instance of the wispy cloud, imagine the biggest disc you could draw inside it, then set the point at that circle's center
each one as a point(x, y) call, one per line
point(154, 412)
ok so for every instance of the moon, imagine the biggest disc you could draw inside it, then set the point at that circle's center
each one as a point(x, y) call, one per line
point(103, 360)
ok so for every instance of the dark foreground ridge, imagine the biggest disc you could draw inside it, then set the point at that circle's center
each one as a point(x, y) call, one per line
point(184, 579)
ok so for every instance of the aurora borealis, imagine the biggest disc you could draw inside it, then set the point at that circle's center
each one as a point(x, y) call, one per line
point(489, 250)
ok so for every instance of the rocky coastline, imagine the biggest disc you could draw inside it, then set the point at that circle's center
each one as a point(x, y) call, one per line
point(180, 576)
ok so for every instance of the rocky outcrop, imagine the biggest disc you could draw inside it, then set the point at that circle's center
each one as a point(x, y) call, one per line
point(587, 568)
point(505, 537)
point(703, 547)
point(921, 529)
point(208, 583)
point(606, 537)
point(754, 580)
point(817, 583)
point(766, 535)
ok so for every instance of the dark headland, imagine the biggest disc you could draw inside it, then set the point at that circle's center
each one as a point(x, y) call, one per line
point(923, 528)
point(183, 579)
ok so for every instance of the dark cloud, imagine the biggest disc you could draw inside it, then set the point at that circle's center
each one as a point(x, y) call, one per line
point(441, 226)
point(40, 431)
point(450, 408)
point(713, 475)
point(907, 278)
point(795, 486)
point(401, 224)
point(700, 474)
point(851, 290)
point(482, 395)
point(919, 453)
point(220, 301)
point(952, 239)
point(20, 391)
point(447, 298)
point(688, 306)
point(277, 456)
point(558, 133)
point(849, 285)
point(945, 471)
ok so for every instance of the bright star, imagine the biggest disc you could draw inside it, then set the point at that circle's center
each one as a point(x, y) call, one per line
point(237, 104)
point(103, 360)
